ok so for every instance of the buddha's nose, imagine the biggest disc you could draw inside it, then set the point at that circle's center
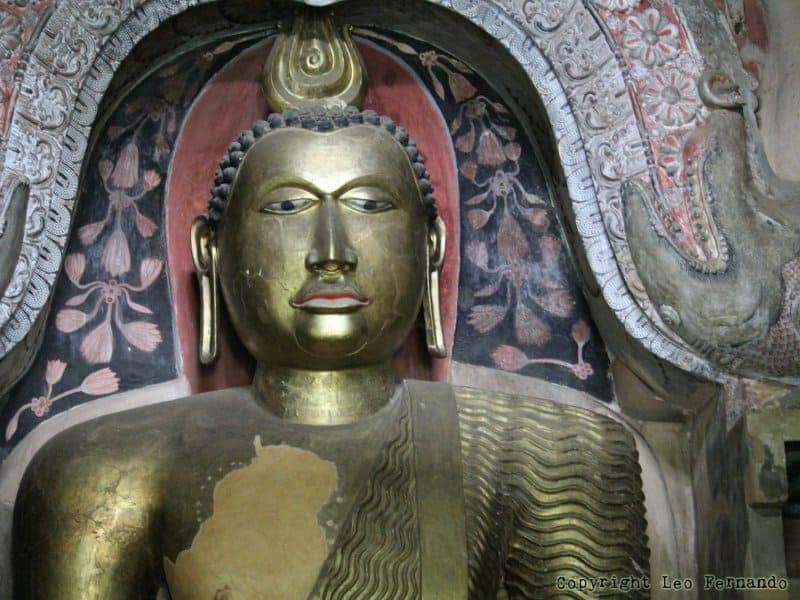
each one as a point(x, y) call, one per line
point(330, 248)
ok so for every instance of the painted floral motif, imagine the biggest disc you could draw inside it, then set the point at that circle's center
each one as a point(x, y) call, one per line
point(102, 312)
point(118, 179)
point(97, 383)
point(671, 97)
point(453, 69)
point(651, 38)
point(477, 127)
point(108, 296)
point(10, 34)
point(617, 4)
point(435, 64)
point(510, 358)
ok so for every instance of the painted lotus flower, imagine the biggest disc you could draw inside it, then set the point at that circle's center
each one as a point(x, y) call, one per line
point(651, 38)
point(478, 126)
point(119, 179)
point(453, 69)
point(671, 98)
point(510, 358)
point(108, 297)
point(98, 383)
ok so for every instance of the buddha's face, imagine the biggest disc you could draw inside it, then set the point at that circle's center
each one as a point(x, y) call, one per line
point(322, 248)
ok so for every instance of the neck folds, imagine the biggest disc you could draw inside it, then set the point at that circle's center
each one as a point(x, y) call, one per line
point(324, 397)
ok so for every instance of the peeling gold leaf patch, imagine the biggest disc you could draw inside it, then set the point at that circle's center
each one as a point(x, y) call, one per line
point(262, 541)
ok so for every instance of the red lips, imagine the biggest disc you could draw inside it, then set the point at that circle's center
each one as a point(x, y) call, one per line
point(319, 295)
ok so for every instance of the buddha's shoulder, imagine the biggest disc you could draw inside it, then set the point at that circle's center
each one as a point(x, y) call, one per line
point(137, 441)
point(540, 418)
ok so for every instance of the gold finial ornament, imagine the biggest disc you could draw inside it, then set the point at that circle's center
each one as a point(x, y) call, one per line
point(314, 64)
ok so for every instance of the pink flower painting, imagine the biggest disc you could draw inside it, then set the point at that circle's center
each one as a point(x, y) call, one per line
point(453, 70)
point(510, 358)
point(119, 180)
point(476, 127)
point(98, 383)
point(108, 298)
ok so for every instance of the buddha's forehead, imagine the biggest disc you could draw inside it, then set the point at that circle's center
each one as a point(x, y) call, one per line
point(329, 161)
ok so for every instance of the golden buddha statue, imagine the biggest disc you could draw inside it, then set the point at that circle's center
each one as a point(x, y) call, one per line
point(326, 478)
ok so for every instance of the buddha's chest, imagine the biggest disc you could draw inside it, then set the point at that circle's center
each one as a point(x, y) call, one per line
point(271, 525)
point(305, 516)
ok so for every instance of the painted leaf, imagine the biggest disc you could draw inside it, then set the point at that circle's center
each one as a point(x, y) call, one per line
point(149, 271)
point(509, 133)
point(98, 346)
point(456, 124)
point(558, 302)
point(458, 64)
point(478, 217)
point(485, 317)
point(139, 307)
point(437, 85)
point(141, 334)
point(69, 320)
point(81, 298)
point(512, 151)
point(466, 141)
point(223, 48)
point(476, 199)
point(489, 290)
point(530, 329)
point(537, 216)
point(404, 48)
point(11, 428)
point(116, 257)
point(551, 250)
point(88, 233)
point(469, 169)
point(104, 381)
point(460, 86)
point(477, 253)
point(145, 226)
point(151, 179)
point(490, 150)
point(74, 266)
point(105, 167)
point(509, 358)
point(114, 132)
point(499, 107)
point(511, 241)
point(532, 198)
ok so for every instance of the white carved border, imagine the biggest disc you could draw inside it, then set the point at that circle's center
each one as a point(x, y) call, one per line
point(560, 44)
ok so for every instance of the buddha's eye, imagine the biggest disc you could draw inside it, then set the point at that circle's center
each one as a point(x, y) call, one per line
point(368, 205)
point(287, 207)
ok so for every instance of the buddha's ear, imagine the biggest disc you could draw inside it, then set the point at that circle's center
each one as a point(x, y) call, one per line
point(431, 305)
point(204, 257)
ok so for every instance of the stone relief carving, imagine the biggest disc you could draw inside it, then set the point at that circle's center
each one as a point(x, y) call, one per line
point(619, 80)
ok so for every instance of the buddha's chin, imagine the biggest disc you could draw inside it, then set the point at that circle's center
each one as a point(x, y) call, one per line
point(330, 335)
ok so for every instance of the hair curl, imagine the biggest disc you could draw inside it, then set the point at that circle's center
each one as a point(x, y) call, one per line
point(317, 119)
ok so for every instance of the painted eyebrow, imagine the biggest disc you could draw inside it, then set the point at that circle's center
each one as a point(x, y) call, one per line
point(283, 180)
point(376, 180)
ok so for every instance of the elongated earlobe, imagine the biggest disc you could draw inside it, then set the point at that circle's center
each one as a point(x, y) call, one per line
point(204, 257)
point(431, 305)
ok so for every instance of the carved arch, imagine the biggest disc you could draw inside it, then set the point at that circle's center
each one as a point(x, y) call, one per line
point(564, 47)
